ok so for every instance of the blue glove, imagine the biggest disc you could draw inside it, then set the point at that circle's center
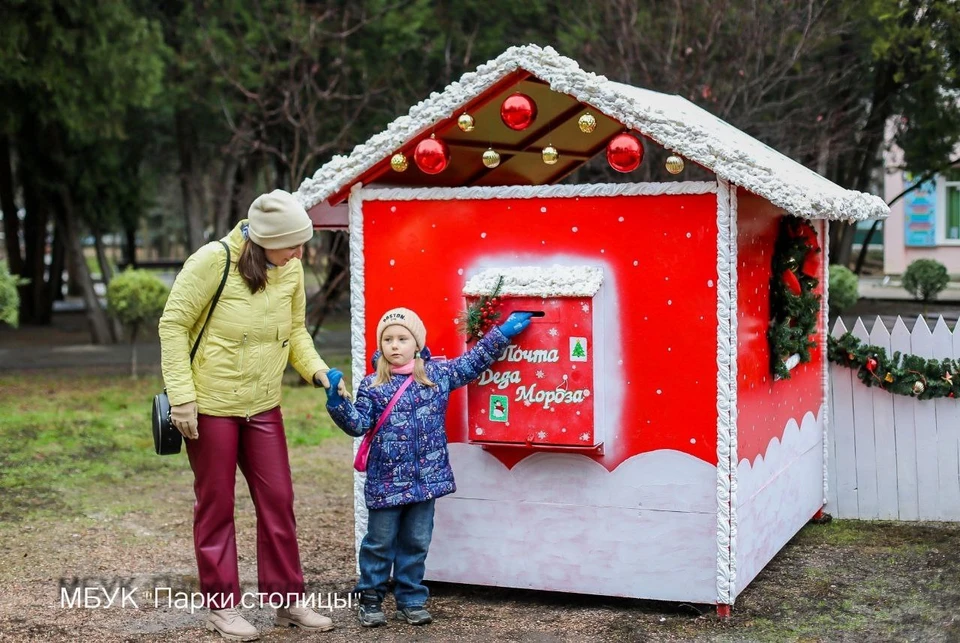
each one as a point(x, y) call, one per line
point(333, 394)
point(515, 324)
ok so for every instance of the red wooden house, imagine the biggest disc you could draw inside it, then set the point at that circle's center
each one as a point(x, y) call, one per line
point(634, 442)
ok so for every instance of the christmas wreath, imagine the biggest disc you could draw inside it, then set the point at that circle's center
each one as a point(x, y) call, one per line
point(794, 306)
point(901, 374)
point(480, 315)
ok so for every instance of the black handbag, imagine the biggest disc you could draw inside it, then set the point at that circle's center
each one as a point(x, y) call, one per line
point(167, 440)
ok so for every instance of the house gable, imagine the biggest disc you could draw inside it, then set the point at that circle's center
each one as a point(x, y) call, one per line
point(563, 91)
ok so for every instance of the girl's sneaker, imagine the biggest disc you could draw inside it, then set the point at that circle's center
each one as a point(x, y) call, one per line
point(414, 615)
point(370, 613)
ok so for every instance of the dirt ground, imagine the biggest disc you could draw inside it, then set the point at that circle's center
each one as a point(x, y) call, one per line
point(844, 581)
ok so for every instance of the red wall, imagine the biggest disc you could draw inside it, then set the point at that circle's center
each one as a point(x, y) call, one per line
point(765, 406)
point(418, 254)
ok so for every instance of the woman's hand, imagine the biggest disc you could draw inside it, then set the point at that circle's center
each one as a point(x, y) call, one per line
point(184, 418)
point(332, 382)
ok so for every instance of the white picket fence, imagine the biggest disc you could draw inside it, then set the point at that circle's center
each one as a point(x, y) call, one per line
point(893, 457)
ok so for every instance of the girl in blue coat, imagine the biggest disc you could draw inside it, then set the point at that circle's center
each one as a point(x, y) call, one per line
point(408, 467)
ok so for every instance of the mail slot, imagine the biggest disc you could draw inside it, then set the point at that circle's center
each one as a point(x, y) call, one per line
point(540, 392)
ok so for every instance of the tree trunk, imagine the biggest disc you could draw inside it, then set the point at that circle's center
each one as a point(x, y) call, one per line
point(192, 217)
point(841, 248)
point(130, 247)
point(35, 305)
point(228, 182)
point(57, 256)
point(8, 205)
point(106, 274)
point(100, 330)
point(246, 188)
point(337, 280)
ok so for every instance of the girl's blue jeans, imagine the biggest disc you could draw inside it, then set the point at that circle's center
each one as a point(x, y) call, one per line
point(397, 537)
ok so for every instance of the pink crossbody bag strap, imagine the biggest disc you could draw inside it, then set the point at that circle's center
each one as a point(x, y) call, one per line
point(360, 461)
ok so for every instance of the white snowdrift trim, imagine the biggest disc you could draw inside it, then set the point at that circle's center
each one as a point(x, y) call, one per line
point(534, 281)
point(825, 381)
point(358, 315)
point(726, 394)
point(670, 120)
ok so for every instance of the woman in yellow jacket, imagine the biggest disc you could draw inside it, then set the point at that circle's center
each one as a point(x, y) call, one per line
point(227, 402)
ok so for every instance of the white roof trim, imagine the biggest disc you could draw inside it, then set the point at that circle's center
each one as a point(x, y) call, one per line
point(672, 121)
point(537, 281)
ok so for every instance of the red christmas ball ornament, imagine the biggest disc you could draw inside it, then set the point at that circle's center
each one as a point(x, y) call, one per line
point(518, 111)
point(624, 153)
point(872, 365)
point(431, 155)
point(791, 282)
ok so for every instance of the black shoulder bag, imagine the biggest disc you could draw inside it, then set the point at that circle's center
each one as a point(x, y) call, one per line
point(167, 439)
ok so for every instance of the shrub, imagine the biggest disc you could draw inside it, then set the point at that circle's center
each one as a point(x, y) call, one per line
point(9, 297)
point(135, 298)
point(843, 289)
point(925, 278)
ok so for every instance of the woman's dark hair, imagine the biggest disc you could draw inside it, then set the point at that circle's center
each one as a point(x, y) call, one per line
point(252, 266)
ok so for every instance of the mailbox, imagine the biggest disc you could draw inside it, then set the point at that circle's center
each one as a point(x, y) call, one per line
point(540, 393)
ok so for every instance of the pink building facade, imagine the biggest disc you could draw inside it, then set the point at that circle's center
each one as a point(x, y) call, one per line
point(923, 224)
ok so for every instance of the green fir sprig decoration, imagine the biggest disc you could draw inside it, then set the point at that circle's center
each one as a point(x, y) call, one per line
point(479, 316)
point(902, 374)
point(794, 306)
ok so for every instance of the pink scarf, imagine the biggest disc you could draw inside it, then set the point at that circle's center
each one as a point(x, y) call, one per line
point(406, 369)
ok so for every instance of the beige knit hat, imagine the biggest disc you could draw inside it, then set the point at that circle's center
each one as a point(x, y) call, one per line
point(277, 221)
point(406, 318)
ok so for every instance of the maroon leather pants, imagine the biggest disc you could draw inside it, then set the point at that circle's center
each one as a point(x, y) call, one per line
point(259, 447)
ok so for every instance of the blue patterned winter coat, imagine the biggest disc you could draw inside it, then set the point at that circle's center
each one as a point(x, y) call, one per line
point(409, 461)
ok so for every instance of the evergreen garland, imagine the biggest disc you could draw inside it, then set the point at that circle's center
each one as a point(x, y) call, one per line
point(901, 374)
point(794, 306)
point(481, 314)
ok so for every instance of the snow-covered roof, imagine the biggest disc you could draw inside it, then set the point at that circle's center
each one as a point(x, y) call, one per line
point(670, 120)
point(536, 281)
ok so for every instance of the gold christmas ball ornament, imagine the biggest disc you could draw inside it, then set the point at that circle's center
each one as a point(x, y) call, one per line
point(587, 123)
point(918, 388)
point(465, 122)
point(550, 155)
point(399, 162)
point(491, 158)
point(674, 164)
point(888, 378)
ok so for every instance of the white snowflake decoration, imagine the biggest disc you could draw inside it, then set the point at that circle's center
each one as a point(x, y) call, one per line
point(585, 308)
point(540, 375)
point(542, 435)
point(586, 392)
point(554, 332)
point(584, 437)
point(478, 431)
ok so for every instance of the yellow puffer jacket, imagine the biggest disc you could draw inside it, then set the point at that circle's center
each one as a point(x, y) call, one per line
point(248, 342)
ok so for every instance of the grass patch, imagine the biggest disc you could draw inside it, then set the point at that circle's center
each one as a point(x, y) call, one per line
point(74, 445)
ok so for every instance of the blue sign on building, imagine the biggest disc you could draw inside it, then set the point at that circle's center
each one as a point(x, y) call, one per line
point(920, 213)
